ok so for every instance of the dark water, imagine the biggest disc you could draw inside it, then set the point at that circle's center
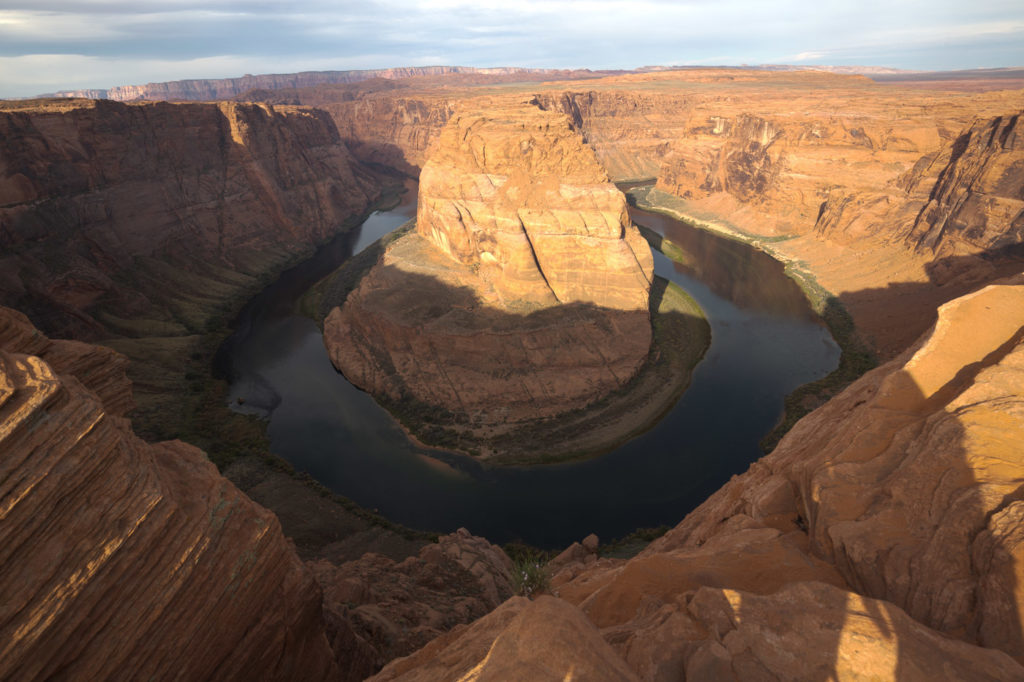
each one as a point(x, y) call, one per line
point(765, 343)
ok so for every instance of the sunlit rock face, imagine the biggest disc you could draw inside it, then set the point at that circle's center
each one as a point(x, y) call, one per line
point(124, 559)
point(514, 194)
point(523, 292)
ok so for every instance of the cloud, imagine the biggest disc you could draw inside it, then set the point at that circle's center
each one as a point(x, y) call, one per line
point(63, 43)
point(806, 56)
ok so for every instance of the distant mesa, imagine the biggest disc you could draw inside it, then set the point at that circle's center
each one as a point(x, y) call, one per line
point(523, 292)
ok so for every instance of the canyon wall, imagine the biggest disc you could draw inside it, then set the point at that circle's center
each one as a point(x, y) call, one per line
point(144, 224)
point(97, 199)
point(127, 559)
point(880, 540)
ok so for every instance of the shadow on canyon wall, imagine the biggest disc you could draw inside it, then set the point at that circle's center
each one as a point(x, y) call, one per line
point(890, 318)
point(947, 563)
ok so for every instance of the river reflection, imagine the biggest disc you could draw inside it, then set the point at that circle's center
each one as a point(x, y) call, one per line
point(765, 343)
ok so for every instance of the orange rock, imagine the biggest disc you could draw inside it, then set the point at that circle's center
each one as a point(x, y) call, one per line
point(120, 558)
point(515, 195)
point(378, 610)
point(545, 639)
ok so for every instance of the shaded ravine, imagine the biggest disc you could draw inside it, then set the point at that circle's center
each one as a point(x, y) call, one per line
point(765, 342)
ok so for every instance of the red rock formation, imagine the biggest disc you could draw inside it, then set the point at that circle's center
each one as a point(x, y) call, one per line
point(977, 201)
point(523, 292)
point(840, 163)
point(120, 558)
point(880, 540)
point(102, 203)
point(541, 640)
point(516, 197)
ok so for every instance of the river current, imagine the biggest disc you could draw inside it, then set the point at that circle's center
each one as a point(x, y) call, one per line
point(765, 342)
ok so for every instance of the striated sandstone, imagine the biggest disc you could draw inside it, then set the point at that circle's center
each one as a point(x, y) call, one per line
point(102, 203)
point(120, 558)
point(523, 292)
point(844, 168)
point(141, 224)
point(908, 481)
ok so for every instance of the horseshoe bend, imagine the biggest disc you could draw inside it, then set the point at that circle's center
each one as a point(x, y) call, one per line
point(577, 244)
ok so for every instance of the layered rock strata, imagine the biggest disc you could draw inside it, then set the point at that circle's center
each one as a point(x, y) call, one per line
point(102, 203)
point(523, 292)
point(143, 224)
point(880, 540)
point(842, 168)
point(125, 559)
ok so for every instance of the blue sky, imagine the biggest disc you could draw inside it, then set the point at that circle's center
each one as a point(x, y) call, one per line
point(48, 45)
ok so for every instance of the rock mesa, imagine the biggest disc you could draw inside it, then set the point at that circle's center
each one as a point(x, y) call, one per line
point(522, 293)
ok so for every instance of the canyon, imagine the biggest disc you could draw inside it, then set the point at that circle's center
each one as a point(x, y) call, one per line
point(880, 538)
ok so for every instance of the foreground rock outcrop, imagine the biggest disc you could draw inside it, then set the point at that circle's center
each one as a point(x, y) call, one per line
point(522, 294)
point(123, 559)
point(378, 609)
point(880, 540)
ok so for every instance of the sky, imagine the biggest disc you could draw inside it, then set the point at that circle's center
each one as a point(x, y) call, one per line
point(50, 45)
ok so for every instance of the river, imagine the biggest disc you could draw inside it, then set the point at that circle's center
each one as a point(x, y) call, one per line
point(765, 342)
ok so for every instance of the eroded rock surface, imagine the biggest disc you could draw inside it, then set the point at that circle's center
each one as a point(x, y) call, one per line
point(120, 558)
point(880, 540)
point(523, 292)
point(378, 609)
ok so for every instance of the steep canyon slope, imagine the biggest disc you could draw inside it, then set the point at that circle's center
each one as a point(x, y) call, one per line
point(880, 540)
point(143, 224)
point(128, 559)
point(123, 559)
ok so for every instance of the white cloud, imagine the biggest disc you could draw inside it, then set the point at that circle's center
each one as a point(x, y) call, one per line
point(68, 44)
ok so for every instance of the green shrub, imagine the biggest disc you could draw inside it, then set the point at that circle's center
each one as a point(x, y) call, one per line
point(530, 575)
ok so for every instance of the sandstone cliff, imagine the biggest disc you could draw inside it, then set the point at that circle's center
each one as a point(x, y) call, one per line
point(880, 540)
point(125, 559)
point(142, 224)
point(99, 199)
point(523, 292)
point(516, 196)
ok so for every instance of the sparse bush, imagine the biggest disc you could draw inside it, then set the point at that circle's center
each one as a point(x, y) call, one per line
point(530, 575)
